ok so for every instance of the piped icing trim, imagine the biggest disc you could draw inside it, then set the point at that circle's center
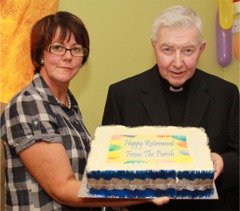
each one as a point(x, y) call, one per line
point(162, 184)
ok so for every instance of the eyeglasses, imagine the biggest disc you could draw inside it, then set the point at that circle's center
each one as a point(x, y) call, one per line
point(61, 50)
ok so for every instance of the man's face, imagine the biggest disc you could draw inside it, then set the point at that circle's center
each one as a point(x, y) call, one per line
point(177, 51)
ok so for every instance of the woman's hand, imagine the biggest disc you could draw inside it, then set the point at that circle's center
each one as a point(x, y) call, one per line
point(218, 164)
point(160, 201)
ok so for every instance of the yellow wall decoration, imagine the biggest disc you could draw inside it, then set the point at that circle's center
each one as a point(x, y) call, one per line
point(17, 18)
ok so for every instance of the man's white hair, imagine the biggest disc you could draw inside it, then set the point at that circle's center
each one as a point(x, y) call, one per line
point(177, 16)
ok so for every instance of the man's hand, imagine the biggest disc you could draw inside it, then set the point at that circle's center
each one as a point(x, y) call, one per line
point(218, 164)
point(160, 201)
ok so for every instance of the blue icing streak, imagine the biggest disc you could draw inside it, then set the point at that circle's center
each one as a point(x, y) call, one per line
point(195, 194)
point(131, 175)
point(159, 174)
point(134, 161)
point(129, 136)
point(149, 193)
point(195, 174)
point(183, 152)
point(125, 193)
point(180, 138)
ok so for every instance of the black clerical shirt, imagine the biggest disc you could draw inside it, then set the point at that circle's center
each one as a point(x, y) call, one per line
point(176, 101)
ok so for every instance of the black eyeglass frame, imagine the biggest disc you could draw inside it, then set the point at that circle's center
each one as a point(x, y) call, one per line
point(85, 51)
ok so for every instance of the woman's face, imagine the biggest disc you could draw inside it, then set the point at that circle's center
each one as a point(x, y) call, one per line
point(59, 70)
point(177, 51)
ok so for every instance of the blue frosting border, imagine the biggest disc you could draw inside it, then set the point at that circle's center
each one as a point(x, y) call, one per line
point(149, 193)
point(163, 174)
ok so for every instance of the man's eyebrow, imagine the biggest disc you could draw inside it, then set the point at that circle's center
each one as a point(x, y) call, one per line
point(171, 46)
point(190, 46)
point(166, 45)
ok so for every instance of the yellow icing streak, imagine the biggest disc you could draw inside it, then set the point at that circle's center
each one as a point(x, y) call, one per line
point(147, 149)
point(17, 18)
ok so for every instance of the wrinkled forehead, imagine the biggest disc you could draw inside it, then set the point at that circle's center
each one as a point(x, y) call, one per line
point(187, 31)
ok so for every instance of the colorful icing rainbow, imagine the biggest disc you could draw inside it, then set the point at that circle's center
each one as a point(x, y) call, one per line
point(128, 149)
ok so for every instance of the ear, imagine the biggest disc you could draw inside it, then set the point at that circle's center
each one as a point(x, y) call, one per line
point(202, 48)
point(153, 43)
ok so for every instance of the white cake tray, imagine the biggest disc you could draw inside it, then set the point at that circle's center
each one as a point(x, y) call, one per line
point(84, 192)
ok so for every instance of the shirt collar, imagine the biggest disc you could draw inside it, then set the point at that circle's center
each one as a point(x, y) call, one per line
point(41, 86)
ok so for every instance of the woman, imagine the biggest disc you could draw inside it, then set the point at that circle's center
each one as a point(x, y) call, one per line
point(46, 142)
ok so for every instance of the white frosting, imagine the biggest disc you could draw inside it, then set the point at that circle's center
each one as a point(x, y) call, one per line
point(197, 145)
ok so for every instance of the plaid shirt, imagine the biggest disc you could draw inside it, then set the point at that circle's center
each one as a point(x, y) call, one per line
point(34, 115)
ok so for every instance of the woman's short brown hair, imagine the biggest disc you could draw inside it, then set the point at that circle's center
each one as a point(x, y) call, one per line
point(44, 30)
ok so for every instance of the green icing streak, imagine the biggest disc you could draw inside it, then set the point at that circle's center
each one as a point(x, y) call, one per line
point(180, 138)
point(134, 162)
point(114, 147)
